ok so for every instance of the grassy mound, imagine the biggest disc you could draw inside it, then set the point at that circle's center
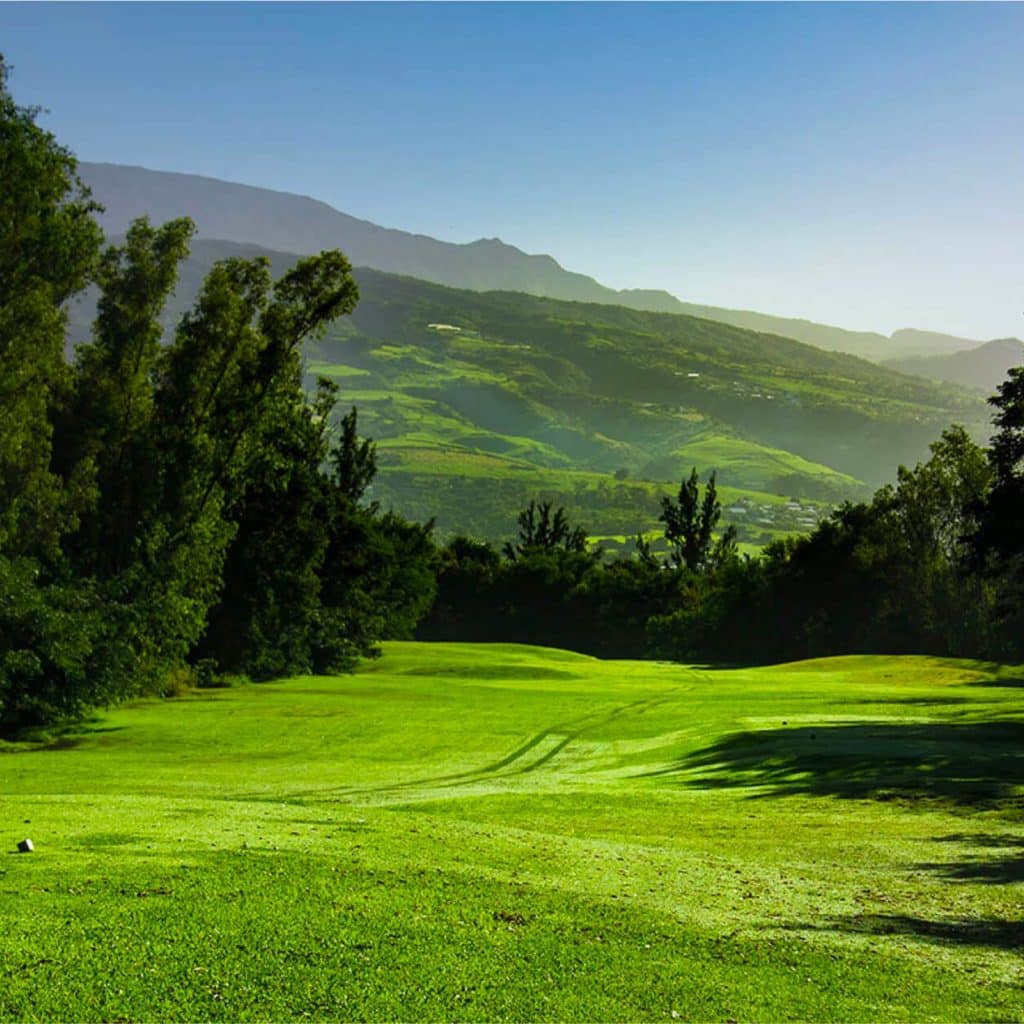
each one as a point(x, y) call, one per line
point(503, 832)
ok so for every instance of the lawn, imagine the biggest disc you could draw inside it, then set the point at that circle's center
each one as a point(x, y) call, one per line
point(494, 832)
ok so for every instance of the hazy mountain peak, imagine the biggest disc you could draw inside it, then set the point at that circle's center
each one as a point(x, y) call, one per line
point(286, 222)
point(983, 367)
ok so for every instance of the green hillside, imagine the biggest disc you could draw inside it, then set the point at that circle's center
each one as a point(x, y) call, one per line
point(519, 385)
point(459, 387)
point(508, 833)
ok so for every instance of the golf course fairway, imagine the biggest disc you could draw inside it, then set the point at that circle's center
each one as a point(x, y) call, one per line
point(498, 832)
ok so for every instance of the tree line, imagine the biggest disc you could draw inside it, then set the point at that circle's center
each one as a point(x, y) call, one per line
point(933, 564)
point(178, 510)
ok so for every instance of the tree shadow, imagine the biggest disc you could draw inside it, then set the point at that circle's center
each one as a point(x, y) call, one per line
point(721, 666)
point(70, 737)
point(1003, 869)
point(994, 932)
point(924, 702)
point(960, 762)
point(1008, 682)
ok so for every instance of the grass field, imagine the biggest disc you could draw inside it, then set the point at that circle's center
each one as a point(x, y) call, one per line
point(498, 832)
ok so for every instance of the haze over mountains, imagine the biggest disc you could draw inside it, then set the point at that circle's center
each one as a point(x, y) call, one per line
point(298, 224)
point(983, 368)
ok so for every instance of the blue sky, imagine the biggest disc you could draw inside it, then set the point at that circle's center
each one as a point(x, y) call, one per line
point(857, 164)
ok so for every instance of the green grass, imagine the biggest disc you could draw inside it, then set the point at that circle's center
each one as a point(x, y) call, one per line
point(762, 467)
point(501, 832)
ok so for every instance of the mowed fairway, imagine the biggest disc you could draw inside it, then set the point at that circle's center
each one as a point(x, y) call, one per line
point(464, 832)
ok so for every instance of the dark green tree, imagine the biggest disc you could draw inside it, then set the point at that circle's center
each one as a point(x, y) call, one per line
point(690, 523)
point(242, 450)
point(353, 460)
point(109, 421)
point(1004, 514)
point(466, 607)
point(892, 575)
point(930, 520)
point(270, 599)
point(1000, 539)
point(49, 244)
point(543, 528)
point(379, 574)
point(177, 432)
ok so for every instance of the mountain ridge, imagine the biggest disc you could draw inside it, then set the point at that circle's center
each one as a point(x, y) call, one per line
point(982, 368)
point(290, 222)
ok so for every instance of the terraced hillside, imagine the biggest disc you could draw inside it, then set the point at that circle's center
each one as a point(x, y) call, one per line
point(466, 832)
point(481, 401)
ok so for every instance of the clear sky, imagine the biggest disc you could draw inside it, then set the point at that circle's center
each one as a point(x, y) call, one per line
point(862, 165)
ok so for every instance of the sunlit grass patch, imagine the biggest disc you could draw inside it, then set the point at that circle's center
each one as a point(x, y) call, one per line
point(506, 832)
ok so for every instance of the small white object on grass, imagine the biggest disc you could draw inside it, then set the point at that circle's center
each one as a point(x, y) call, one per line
point(25, 846)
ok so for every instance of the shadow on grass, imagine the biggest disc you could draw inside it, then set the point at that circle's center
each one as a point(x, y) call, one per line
point(1005, 867)
point(63, 737)
point(994, 932)
point(925, 702)
point(957, 762)
point(1004, 681)
point(74, 736)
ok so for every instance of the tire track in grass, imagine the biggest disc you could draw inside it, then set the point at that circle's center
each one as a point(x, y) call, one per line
point(509, 766)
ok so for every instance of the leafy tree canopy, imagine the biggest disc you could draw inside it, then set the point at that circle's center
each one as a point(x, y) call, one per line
point(690, 522)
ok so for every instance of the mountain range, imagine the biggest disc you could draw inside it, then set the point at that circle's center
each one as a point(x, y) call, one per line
point(982, 368)
point(298, 224)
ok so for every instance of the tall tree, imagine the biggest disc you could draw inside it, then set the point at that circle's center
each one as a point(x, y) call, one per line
point(690, 523)
point(49, 244)
point(1000, 540)
point(378, 576)
point(1005, 511)
point(228, 404)
point(930, 522)
point(177, 432)
point(110, 416)
point(270, 599)
point(353, 460)
point(543, 528)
